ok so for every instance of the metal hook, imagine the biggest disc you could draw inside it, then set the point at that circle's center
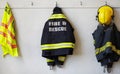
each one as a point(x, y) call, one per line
point(81, 3)
point(32, 3)
point(105, 2)
point(56, 4)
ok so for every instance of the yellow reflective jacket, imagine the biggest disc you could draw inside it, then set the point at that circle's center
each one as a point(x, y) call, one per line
point(7, 33)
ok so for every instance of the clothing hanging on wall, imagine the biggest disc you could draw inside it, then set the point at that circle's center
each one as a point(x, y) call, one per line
point(7, 33)
point(106, 38)
point(57, 39)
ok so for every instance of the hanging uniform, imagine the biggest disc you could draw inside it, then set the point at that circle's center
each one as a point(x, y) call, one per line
point(7, 33)
point(107, 38)
point(57, 39)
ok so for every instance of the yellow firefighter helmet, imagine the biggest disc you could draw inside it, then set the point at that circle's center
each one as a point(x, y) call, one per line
point(105, 14)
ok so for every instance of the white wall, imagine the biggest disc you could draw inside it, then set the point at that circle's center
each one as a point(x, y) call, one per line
point(29, 24)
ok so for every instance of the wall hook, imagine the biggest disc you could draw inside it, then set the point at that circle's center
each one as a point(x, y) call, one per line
point(32, 3)
point(81, 3)
point(105, 2)
point(56, 5)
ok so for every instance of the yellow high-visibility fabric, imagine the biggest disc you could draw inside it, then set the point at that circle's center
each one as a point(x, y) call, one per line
point(7, 33)
point(62, 58)
point(57, 46)
point(50, 60)
point(103, 48)
point(57, 16)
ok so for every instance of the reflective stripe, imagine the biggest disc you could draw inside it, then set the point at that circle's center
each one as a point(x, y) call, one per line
point(10, 20)
point(61, 58)
point(11, 44)
point(4, 25)
point(50, 60)
point(115, 50)
point(7, 32)
point(103, 48)
point(3, 34)
point(58, 46)
point(11, 35)
point(57, 16)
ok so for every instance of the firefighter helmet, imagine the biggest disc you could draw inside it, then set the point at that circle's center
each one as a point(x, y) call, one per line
point(105, 14)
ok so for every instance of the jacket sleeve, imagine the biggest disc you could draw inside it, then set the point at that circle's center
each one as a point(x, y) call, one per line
point(98, 35)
